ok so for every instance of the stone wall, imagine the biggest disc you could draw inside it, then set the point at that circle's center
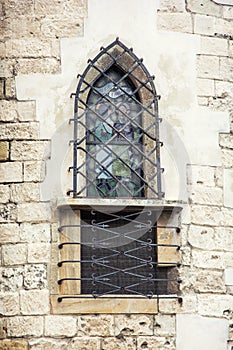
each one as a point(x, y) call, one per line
point(188, 45)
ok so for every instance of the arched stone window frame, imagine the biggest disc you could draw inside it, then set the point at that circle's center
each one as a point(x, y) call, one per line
point(119, 56)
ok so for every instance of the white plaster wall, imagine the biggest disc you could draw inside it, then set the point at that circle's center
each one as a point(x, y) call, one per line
point(189, 133)
point(201, 333)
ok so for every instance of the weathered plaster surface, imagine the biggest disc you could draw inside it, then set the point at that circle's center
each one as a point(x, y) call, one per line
point(202, 333)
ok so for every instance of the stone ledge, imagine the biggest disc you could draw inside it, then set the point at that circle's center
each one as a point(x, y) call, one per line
point(111, 305)
point(121, 203)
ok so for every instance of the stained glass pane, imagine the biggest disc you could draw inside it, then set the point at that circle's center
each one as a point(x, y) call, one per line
point(114, 140)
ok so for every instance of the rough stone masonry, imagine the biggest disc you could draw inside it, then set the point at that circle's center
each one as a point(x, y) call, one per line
point(188, 45)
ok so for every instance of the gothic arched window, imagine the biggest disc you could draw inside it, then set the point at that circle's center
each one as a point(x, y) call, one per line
point(116, 128)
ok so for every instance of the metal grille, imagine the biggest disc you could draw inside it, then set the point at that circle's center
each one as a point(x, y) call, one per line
point(119, 256)
point(116, 128)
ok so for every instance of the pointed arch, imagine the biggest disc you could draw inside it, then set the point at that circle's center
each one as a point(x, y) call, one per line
point(116, 128)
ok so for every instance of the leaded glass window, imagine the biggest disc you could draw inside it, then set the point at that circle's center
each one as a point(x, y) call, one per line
point(114, 140)
point(116, 128)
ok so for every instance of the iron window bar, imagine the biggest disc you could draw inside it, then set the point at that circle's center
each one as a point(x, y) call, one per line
point(147, 182)
point(103, 240)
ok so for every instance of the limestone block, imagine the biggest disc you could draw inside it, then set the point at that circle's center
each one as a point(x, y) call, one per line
point(227, 158)
point(185, 256)
point(208, 67)
point(152, 343)
point(206, 195)
point(219, 177)
point(133, 325)
point(95, 325)
point(226, 140)
point(14, 254)
point(25, 192)
point(29, 27)
point(6, 70)
point(9, 233)
point(48, 344)
point(11, 172)
point(48, 8)
point(26, 111)
point(228, 187)
point(203, 281)
point(21, 326)
point(165, 325)
point(204, 25)
point(223, 89)
point(213, 46)
point(8, 110)
point(224, 237)
point(35, 276)
point(34, 171)
point(56, 49)
point(2, 50)
point(4, 193)
point(202, 237)
point(207, 215)
point(11, 279)
point(230, 48)
point(172, 306)
point(34, 302)
point(127, 343)
point(9, 304)
point(228, 277)
point(8, 213)
point(227, 12)
point(19, 131)
point(30, 150)
point(62, 27)
point(206, 7)
point(203, 101)
point(10, 91)
point(84, 343)
point(34, 212)
point(55, 232)
point(226, 217)
point(30, 47)
point(180, 22)
point(8, 344)
point(172, 5)
point(60, 326)
point(212, 259)
point(214, 305)
point(39, 252)
point(35, 232)
point(223, 26)
point(79, 7)
point(202, 175)
point(2, 88)
point(202, 333)
point(38, 65)
point(4, 148)
point(19, 7)
point(205, 87)
point(226, 68)
point(53, 278)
